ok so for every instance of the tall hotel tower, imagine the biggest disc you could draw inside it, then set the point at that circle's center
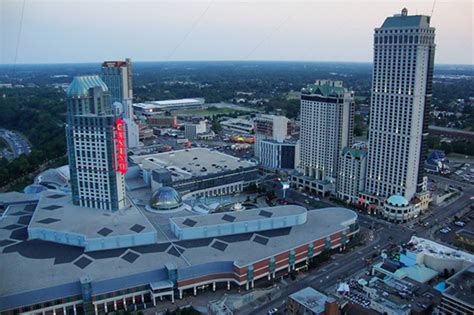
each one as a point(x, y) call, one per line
point(401, 97)
point(96, 148)
point(327, 116)
point(117, 75)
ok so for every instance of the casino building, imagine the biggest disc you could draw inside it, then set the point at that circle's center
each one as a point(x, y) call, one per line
point(43, 274)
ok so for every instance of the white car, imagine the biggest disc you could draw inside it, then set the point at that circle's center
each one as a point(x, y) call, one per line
point(272, 311)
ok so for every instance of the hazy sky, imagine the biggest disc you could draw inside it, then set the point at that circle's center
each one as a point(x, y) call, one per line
point(91, 31)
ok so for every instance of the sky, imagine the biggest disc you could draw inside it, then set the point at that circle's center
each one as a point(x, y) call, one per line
point(72, 31)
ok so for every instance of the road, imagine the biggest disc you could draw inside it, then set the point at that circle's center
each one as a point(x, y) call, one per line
point(18, 144)
point(386, 233)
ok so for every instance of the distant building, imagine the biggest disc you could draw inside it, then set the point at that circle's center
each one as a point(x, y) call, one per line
point(162, 121)
point(401, 97)
point(277, 155)
point(352, 170)
point(192, 131)
point(327, 117)
point(458, 297)
point(270, 127)
point(238, 125)
point(117, 75)
point(160, 107)
point(197, 171)
point(96, 142)
point(311, 302)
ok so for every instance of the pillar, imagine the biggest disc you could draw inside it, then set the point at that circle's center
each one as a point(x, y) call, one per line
point(213, 286)
point(269, 276)
point(125, 303)
point(64, 310)
point(105, 307)
point(74, 309)
point(54, 311)
point(247, 286)
point(253, 284)
point(172, 297)
point(115, 305)
point(154, 300)
point(289, 268)
point(143, 298)
point(195, 291)
point(95, 308)
point(180, 294)
point(228, 285)
point(133, 299)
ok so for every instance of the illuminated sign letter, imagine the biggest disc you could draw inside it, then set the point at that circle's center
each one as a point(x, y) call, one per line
point(121, 148)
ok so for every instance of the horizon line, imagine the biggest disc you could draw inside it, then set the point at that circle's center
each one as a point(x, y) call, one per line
point(210, 60)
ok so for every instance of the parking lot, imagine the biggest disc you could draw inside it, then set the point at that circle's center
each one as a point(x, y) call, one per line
point(447, 232)
point(18, 144)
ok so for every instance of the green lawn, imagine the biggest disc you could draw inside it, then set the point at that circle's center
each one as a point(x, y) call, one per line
point(206, 111)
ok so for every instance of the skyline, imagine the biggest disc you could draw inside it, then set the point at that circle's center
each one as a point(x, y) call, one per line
point(212, 31)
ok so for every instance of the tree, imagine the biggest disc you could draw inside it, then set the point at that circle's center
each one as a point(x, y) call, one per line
point(216, 126)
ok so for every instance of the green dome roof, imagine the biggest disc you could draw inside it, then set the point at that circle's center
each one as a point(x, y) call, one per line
point(81, 84)
point(398, 201)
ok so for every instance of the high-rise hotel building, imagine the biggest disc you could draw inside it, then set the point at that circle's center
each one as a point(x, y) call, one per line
point(96, 146)
point(327, 118)
point(117, 75)
point(401, 96)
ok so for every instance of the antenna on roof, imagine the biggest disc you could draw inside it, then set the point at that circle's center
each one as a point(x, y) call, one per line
point(432, 9)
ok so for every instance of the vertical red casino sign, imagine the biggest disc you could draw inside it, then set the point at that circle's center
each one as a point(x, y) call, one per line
point(121, 147)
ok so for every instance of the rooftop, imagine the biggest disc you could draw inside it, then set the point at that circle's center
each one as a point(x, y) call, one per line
point(311, 299)
point(400, 20)
point(55, 211)
point(325, 88)
point(35, 270)
point(192, 162)
point(81, 84)
point(244, 216)
point(437, 250)
point(460, 286)
point(357, 153)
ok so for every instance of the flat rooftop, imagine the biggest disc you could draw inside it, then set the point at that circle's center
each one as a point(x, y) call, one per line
point(32, 270)
point(311, 299)
point(55, 211)
point(243, 216)
point(460, 286)
point(192, 162)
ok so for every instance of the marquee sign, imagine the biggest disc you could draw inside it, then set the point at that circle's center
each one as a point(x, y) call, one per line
point(121, 147)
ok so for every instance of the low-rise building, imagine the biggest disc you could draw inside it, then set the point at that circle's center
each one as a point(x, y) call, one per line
point(308, 301)
point(238, 125)
point(458, 297)
point(159, 107)
point(192, 131)
point(162, 121)
point(197, 171)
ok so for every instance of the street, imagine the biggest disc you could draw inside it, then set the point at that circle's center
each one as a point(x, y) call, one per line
point(344, 265)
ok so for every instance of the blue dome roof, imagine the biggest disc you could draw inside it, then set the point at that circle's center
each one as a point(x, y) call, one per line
point(165, 198)
point(398, 201)
point(34, 189)
point(81, 84)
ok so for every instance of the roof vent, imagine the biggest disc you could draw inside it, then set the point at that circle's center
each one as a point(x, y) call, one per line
point(404, 12)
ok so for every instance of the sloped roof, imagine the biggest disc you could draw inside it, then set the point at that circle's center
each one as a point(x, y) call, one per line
point(354, 152)
point(406, 21)
point(81, 84)
point(324, 89)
